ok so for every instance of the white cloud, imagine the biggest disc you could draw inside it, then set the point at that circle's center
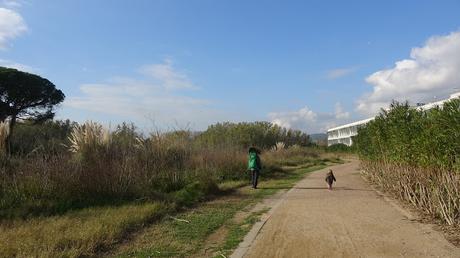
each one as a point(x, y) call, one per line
point(11, 26)
point(340, 113)
point(307, 120)
point(11, 3)
point(431, 70)
point(15, 65)
point(170, 78)
point(341, 72)
point(135, 101)
point(140, 100)
point(293, 119)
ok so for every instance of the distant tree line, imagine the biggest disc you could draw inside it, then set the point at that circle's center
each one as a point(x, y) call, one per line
point(264, 135)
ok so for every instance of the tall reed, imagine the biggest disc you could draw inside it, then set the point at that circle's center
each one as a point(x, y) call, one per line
point(4, 132)
point(415, 154)
point(436, 192)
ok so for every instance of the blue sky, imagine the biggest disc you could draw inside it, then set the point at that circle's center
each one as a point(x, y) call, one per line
point(307, 65)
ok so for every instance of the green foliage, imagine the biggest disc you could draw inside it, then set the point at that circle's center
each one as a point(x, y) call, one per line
point(50, 137)
point(414, 154)
point(339, 147)
point(265, 135)
point(408, 136)
point(25, 95)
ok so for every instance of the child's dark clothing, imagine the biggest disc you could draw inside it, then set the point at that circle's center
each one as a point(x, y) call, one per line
point(254, 177)
point(330, 178)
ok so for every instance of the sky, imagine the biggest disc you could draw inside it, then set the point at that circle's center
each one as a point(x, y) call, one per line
point(170, 64)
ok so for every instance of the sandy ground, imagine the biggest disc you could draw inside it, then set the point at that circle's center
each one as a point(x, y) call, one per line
point(351, 221)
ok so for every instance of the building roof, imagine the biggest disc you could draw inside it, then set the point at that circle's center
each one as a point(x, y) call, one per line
point(360, 122)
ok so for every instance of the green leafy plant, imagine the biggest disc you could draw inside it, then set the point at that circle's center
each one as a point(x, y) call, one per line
point(415, 155)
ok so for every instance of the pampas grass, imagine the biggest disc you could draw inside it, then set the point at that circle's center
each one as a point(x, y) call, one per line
point(4, 132)
point(279, 146)
point(89, 136)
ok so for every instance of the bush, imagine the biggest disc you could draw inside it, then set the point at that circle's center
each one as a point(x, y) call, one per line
point(339, 147)
point(415, 155)
point(59, 166)
point(50, 137)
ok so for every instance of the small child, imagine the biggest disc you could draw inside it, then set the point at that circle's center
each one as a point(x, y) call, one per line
point(330, 178)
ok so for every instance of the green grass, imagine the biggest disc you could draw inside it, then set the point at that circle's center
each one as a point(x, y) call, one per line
point(81, 233)
point(237, 232)
point(183, 234)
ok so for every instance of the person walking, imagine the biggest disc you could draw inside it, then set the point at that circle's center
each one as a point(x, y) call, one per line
point(254, 165)
point(330, 178)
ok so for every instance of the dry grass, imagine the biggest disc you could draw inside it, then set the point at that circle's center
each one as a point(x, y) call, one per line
point(90, 135)
point(104, 166)
point(4, 132)
point(76, 234)
point(436, 192)
point(278, 146)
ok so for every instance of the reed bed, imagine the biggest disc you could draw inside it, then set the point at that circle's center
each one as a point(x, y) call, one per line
point(415, 154)
point(4, 132)
point(102, 166)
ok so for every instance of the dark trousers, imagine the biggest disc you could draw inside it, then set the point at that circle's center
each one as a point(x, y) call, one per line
point(254, 177)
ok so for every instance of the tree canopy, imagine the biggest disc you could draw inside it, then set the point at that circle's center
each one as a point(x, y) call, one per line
point(26, 95)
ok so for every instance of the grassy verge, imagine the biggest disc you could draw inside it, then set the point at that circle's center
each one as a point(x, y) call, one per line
point(237, 232)
point(76, 234)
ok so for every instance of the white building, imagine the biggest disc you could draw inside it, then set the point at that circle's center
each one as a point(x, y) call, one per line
point(343, 133)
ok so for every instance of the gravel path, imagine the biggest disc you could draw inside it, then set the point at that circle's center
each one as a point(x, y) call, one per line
point(353, 220)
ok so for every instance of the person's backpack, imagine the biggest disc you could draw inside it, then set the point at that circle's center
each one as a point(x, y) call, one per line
point(252, 163)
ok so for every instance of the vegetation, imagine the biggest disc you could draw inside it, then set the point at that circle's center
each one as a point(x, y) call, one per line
point(339, 147)
point(79, 233)
point(415, 155)
point(99, 167)
point(265, 135)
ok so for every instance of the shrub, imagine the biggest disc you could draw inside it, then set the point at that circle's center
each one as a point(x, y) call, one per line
point(84, 165)
point(339, 147)
point(46, 138)
point(415, 155)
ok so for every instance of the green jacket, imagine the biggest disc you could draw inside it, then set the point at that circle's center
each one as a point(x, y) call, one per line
point(254, 161)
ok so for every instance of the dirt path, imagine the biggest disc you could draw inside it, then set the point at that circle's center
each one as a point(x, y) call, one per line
point(351, 221)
